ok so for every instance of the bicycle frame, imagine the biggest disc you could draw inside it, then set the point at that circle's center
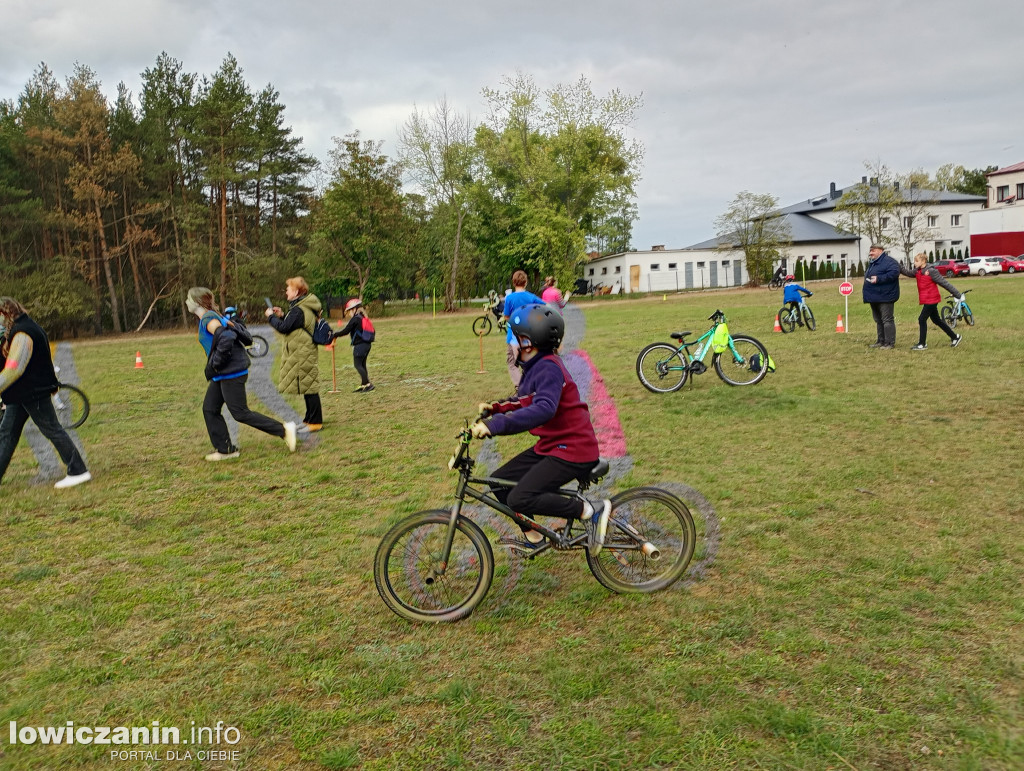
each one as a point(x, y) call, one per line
point(703, 344)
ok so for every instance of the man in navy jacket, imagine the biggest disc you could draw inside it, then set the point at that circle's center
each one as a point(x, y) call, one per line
point(881, 291)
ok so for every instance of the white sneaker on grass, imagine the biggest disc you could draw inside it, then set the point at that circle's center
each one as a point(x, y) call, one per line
point(217, 455)
point(289, 436)
point(73, 479)
point(956, 341)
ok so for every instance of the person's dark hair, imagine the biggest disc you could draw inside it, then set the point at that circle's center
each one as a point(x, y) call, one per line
point(519, 278)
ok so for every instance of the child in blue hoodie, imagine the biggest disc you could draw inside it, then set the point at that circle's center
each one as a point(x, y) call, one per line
point(792, 296)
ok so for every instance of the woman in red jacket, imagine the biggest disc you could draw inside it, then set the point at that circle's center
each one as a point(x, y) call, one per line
point(928, 282)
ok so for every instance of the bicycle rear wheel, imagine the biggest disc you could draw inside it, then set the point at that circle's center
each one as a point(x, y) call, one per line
point(948, 316)
point(657, 519)
point(71, 405)
point(260, 347)
point(662, 368)
point(737, 369)
point(481, 326)
point(786, 320)
point(809, 319)
point(407, 568)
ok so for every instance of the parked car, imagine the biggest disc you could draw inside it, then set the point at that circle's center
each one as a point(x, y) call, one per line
point(979, 266)
point(952, 268)
point(1012, 264)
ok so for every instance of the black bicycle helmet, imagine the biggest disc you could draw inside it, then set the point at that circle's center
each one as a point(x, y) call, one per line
point(542, 325)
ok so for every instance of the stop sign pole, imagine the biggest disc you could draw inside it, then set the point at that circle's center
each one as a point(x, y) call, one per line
point(846, 289)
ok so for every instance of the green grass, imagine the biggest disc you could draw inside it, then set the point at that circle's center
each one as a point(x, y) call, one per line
point(864, 609)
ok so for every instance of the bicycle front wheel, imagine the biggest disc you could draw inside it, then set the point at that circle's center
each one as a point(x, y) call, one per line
point(260, 347)
point(786, 320)
point(413, 581)
point(649, 543)
point(662, 368)
point(809, 319)
point(968, 316)
point(71, 406)
point(948, 316)
point(482, 326)
point(736, 365)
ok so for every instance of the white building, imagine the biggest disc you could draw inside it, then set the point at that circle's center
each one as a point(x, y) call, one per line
point(999, 229)
point(812, 225)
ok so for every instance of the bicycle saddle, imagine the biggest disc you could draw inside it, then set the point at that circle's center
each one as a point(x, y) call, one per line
point(679, 335)
point(600, 469)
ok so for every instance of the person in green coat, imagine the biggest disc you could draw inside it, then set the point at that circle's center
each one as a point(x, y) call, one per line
point(300, 362)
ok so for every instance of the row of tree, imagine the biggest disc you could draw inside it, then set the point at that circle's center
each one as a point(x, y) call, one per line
point(110, 211)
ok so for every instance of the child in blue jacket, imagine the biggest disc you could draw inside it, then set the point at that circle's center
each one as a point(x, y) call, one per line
point(792, 297)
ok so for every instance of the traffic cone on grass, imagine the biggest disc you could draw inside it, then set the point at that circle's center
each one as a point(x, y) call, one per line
point(778, 327)
point(839, 324)
point(138, 360)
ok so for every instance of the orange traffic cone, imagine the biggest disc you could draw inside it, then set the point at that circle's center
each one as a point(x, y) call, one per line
point(839, 324)
point(778, 328)
point(138, 360)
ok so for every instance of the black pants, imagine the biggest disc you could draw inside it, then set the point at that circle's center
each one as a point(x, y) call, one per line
point(885, 322)
point(232, 393)
point(537, 476)
point(314, 409)
point(359, 355)
point(931, 311)
point(794, 305)
point(45, 417)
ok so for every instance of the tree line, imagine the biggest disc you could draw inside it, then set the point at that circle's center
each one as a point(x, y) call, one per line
point(110, 211)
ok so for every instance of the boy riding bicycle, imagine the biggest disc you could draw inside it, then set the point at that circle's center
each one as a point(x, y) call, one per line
point(548, 405)
point(793, 298)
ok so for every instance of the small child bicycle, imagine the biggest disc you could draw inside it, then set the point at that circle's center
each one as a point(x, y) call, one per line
point(956, 309)
point(789, 316)
point(437, 565)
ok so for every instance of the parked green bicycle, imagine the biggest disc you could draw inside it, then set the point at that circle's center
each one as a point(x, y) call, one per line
point(738, 359)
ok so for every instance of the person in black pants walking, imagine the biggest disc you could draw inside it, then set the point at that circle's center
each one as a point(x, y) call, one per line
point(881, 291)
point(227, 369)
point(928, 282)
point(27, 384)
point(361, 334)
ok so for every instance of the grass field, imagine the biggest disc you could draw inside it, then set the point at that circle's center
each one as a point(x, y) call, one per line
point(864, 610)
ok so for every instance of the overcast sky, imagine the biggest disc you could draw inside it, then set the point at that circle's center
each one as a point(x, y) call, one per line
point(779, 97)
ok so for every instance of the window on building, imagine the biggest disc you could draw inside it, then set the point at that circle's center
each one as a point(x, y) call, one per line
point(618, 268)
point(725, 263)
point(954, 220)
point(883, 222)
point(908, 222)
point(591, 272)
point(933, 220)
point(1002, 192)
point(655, 266)
point(671, 266)
point(700, 264)
point(1020, 191)
point(604, 271)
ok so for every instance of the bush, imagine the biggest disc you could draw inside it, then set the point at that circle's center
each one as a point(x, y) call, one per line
point(56, 297)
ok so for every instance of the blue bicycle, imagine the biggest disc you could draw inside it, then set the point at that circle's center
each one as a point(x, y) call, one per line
point(955, 309)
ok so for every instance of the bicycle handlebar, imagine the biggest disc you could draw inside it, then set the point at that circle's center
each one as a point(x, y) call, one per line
point(717, 316)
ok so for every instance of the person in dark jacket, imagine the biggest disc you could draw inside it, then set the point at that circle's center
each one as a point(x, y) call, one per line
point(358, 337)
point(549, 406)
point(227, 369)
point(881, 291)
point(300, 359)
point(27, 385)
point(928, 282)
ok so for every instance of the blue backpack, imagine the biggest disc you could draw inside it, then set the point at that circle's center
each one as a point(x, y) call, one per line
point(321, 334)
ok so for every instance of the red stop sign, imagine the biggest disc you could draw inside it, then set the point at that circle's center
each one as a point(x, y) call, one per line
point(846, 288)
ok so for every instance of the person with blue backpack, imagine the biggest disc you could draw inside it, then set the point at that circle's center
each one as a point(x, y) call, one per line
point(361, 335)
point(793, 296)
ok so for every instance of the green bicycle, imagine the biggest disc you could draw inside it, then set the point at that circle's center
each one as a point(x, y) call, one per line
point(664, 367)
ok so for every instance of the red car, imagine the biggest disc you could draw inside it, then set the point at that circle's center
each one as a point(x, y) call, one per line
point(1012, 264)
point(951, 267)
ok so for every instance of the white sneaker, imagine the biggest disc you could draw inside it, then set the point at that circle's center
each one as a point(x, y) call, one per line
point(222, 455)
point(601, 527)
point(71, 481)
point(289, 436)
